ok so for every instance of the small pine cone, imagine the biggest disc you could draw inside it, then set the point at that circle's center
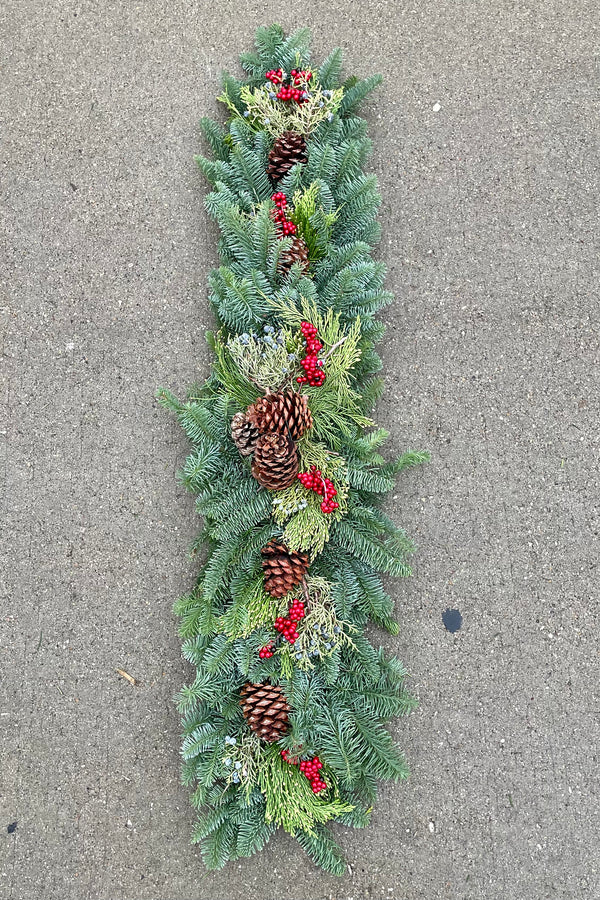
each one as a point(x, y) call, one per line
point(298, 253)
point(266, 709)
point(286, 413)
point(244, 434)
point(288, 149)
point(275, 464)
point(283, 568)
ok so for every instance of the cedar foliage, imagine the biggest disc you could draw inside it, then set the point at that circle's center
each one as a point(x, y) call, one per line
point(341, 696)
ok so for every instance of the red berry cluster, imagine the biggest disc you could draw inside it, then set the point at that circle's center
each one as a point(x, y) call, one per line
point(289, 93)
point(287, 626)
point(310, 768)
point(314, 481)
point(285, 225)
point(297, 76)
point(295, 90)
point(275, 76)
point(312, 365)
point(266, 651)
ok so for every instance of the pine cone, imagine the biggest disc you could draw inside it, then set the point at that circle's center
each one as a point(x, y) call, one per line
point(266, 710)
point(298, 253)
point(288, 149)
point(283, 568)
point(275, 464)
point(244, 434)
point(286, 413)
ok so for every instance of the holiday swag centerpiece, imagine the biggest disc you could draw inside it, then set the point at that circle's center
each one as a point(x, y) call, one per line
point(285, 719)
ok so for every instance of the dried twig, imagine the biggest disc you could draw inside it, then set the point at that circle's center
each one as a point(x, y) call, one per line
point(128, 677)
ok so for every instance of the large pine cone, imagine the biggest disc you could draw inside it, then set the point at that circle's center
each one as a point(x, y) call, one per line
point(288, 149)
point(244, 434)
point(266, 710)
point(286, 413)
point(283, 568)
point(275, 464)
point(298, 253)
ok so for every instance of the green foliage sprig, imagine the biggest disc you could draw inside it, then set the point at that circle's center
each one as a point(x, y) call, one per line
point(241, 761)
point(298, 510)
point(264, 112)
point(321, 634)
point(313, 222)
point(268, 360)
point(250, 608)
point(291, 803)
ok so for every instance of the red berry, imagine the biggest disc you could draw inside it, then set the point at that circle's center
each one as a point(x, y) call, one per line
point(311, 364)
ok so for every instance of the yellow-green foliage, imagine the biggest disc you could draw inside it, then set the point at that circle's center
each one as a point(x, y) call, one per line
point(307, 526)
point(249, 612)
point(335, 406)
point(305, 204)
point(311, 221)
point(291, 803)
point(307, 529)
point(285, 660)
point(276, 116)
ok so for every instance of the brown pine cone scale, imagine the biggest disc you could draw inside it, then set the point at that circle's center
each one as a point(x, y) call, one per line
point(266, 709)
point(297, 253)
point(285, 412)
point(288, 149)
point(275, 464)
point(283, 568)
point(244, 433)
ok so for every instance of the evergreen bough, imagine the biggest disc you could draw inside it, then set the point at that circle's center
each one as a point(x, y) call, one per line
point(342, 695)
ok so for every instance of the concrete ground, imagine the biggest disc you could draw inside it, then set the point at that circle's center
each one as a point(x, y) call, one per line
point(486, 144)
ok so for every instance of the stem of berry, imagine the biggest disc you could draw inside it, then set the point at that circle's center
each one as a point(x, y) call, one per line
point(305, 590)
point(335, 346)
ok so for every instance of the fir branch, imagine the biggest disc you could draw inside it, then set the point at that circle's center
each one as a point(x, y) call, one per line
point(330, 69)
point(322, 848)
point(356, 91)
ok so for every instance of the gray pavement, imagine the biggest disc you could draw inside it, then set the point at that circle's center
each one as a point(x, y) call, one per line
point(491, 238)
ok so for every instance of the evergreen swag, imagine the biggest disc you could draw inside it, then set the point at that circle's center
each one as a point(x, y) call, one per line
point(295, 298)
